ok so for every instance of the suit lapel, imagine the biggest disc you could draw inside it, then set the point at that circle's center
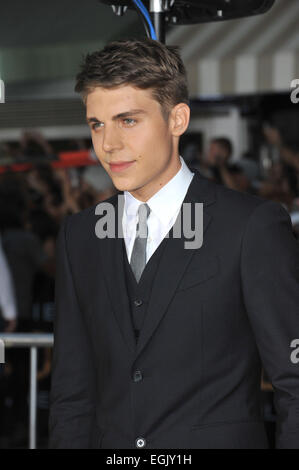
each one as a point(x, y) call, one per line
point(174, 262)
point(112, 251)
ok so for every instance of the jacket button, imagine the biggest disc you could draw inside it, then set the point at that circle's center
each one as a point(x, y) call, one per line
point(138, 302)
point(137, 377)
point(140, 442)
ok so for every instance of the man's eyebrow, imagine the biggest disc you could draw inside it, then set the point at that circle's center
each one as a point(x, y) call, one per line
point(121, 115)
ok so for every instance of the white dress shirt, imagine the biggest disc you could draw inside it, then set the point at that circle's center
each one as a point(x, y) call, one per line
point(8, 307)
point(165, 206)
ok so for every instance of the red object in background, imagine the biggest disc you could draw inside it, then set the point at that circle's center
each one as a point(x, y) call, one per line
point(65, 160)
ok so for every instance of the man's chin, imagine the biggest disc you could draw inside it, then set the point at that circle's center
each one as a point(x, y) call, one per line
point(124, 186)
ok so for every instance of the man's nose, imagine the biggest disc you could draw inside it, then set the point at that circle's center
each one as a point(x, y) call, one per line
point(111, 140)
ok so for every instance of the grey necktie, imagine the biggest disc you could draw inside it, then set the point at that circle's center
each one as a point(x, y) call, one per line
point(138, 258)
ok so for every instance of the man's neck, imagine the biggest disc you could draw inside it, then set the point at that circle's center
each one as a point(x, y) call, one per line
point(147, 192)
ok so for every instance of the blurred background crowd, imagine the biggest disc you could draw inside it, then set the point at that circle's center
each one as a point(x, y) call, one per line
point(33, 204)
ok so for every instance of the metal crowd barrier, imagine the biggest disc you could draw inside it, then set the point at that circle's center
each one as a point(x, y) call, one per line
point(32, 341)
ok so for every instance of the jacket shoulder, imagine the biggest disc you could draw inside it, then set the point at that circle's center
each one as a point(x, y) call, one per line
point(83, 223)
point(232, 200)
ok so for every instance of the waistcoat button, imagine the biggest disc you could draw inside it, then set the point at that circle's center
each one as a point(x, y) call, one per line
point(140, 442)
point(137, 377)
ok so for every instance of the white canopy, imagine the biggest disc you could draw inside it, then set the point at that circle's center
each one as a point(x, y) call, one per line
point(256, 54)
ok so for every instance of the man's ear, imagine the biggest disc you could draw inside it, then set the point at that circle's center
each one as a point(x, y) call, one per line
point(180, 118)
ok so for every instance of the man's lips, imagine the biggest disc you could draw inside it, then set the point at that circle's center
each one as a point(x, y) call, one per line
point(120, 166)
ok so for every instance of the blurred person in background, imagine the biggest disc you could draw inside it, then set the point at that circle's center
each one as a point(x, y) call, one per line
point(218, 167)
point(46, 191)
point(282, 181)
point(93, 185)
point(279, 185)
point(33, 145)
point(98, 184)
point(8, 322)
point(43, 225)
point(220, 151)
point(6, 156)
point(8, 308)
point(286, 170)
point(25, 257)
point(251, 168)
point(289, 154)
point(22, 248)
point(10, 153)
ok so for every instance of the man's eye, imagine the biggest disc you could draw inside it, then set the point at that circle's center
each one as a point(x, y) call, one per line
point(129, 119)
point(94, 125)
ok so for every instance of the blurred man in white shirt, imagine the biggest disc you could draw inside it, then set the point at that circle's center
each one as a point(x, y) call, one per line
point(8, 309)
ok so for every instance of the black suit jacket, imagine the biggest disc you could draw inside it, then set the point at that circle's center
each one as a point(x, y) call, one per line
point(215, 314)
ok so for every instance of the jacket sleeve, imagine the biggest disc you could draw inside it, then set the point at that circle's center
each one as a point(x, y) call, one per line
point(72, 396)
point(270, 280)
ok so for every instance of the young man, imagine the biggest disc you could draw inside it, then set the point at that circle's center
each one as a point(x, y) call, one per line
point(157, 345)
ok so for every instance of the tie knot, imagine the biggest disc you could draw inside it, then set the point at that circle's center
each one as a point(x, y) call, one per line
point(143, 212)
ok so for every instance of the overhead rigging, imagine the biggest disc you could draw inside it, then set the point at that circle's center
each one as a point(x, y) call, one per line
point(156, 14)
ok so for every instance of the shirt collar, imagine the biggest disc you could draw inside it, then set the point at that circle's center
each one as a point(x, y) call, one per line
point(165, 203)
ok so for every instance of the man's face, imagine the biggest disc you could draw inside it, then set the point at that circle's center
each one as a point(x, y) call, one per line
point(137, 149)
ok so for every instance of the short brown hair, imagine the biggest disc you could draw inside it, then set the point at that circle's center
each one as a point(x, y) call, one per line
point(146, 64)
